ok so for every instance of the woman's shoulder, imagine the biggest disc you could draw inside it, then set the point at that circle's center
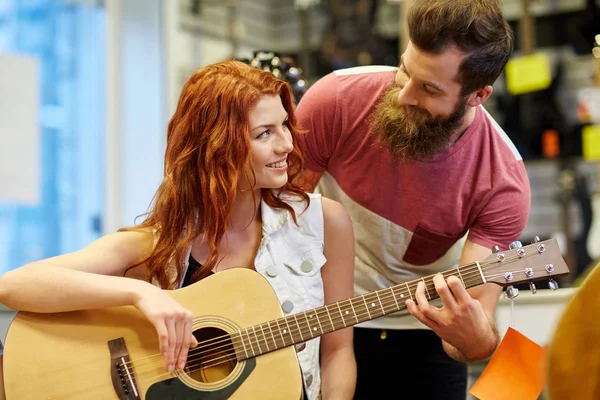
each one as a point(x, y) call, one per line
point(335, 215)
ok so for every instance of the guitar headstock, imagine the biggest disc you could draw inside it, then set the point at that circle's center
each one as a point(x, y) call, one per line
point(522, 264)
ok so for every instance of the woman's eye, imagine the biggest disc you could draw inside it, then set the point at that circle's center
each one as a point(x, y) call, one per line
point(264, 134)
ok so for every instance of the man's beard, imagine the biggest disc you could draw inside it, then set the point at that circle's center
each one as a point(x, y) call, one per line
point(412, 133)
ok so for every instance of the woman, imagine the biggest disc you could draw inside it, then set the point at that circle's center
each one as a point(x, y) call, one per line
point(227, 192)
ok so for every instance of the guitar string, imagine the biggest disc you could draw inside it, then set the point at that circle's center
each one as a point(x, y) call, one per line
point(211, 362)
point(229, 339)
point(220, 359)
point(208, 344)
point(231, 351)
point(228, 354)
point(468, 273)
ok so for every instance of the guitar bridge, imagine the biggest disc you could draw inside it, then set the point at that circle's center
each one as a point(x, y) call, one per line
point(121, 371)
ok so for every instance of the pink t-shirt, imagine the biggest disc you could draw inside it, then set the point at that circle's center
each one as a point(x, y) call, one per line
point(410, 219)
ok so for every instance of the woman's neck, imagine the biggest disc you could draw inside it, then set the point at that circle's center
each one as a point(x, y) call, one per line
point(246, 211)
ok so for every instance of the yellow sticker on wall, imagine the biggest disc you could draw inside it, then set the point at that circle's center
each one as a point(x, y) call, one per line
point(528, 74)
point(591, 142)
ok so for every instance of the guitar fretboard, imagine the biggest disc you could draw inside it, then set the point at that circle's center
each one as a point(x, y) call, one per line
point(303, 326)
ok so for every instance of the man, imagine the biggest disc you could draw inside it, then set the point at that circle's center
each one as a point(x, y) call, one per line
point(431, 181)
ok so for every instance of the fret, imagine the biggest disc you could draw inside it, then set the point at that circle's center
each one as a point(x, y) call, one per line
point(257, 341)
point(409, 293)
point(298, 325)
point(380, 303)
point(280, 333)
point(480, 272)
point(318, 321)
point(288, 329)
point(308, 324)
point(273, 336)
point(426, 291)
point(367, 306)
point(371, 303)
point(239, 334)
point(250, 343)
point(353, 311)
point(330, 320)
point(341, 314)
point(460, 276)
point(264, 337)
point(394, 297)
point(347, 308)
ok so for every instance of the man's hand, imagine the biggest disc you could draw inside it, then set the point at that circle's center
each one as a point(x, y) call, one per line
point(461, 321)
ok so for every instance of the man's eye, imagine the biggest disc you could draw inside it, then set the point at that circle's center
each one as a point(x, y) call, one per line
point(429, 90)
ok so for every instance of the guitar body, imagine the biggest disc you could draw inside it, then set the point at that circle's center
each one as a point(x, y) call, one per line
point(245, 345)
point(66, 355)
point(573, 354)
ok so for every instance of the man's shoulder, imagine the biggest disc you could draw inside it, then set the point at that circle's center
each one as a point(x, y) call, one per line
point(370, 77)
point(493, 140)
point(367, 70)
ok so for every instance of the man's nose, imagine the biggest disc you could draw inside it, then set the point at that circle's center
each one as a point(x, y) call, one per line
point(406, 96)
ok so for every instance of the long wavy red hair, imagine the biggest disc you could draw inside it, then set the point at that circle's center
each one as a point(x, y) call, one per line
point(208, 144)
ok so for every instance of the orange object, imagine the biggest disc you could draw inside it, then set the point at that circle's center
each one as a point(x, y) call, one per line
point(516, 371)
point(550, 143)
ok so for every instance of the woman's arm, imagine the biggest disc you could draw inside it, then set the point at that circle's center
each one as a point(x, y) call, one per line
point(93, 278)
point(338, 366)
point(85, 279)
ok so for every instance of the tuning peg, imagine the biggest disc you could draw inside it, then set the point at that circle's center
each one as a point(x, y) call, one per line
point(515, 245)
point(552, 284)
point(495, 249)
point(536, 239)
point(512, 292)
point(532, 287)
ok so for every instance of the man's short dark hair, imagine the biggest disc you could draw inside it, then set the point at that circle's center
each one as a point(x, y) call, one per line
point(476, 27)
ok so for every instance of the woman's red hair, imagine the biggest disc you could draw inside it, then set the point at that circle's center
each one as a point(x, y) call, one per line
point(208, 144)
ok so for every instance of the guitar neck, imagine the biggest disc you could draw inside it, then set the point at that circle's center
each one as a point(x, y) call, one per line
point(303, 326)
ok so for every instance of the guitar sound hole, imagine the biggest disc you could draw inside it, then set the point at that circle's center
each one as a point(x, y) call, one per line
point(214, 357)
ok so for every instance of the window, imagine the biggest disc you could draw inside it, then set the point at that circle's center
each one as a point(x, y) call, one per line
point(68, 39)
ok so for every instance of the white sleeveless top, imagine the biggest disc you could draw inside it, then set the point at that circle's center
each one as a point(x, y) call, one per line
point(290, 257)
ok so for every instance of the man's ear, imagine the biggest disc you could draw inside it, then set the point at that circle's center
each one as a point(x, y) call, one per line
point(480, 96)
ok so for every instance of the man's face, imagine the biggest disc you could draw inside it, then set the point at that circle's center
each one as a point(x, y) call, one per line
point(421, 111)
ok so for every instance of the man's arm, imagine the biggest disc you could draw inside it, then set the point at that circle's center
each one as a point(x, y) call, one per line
point(466, 321)
point(308, 180)
point(487, 295)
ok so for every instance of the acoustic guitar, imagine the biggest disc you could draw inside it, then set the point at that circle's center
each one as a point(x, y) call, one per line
point(573, 359)
point(245, 348)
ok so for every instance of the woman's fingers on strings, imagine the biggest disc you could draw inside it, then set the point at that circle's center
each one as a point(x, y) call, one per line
point(193, 341)
point(184, 342)
point(171, 355)
point(163, 340)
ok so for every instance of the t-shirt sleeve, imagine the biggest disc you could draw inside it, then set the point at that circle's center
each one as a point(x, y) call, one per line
point(504, 217)
point(317, 115)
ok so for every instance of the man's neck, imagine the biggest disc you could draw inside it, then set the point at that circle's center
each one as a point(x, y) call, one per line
point(467, 121)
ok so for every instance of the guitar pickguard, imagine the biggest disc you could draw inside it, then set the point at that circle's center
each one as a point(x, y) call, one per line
point(175, 389)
